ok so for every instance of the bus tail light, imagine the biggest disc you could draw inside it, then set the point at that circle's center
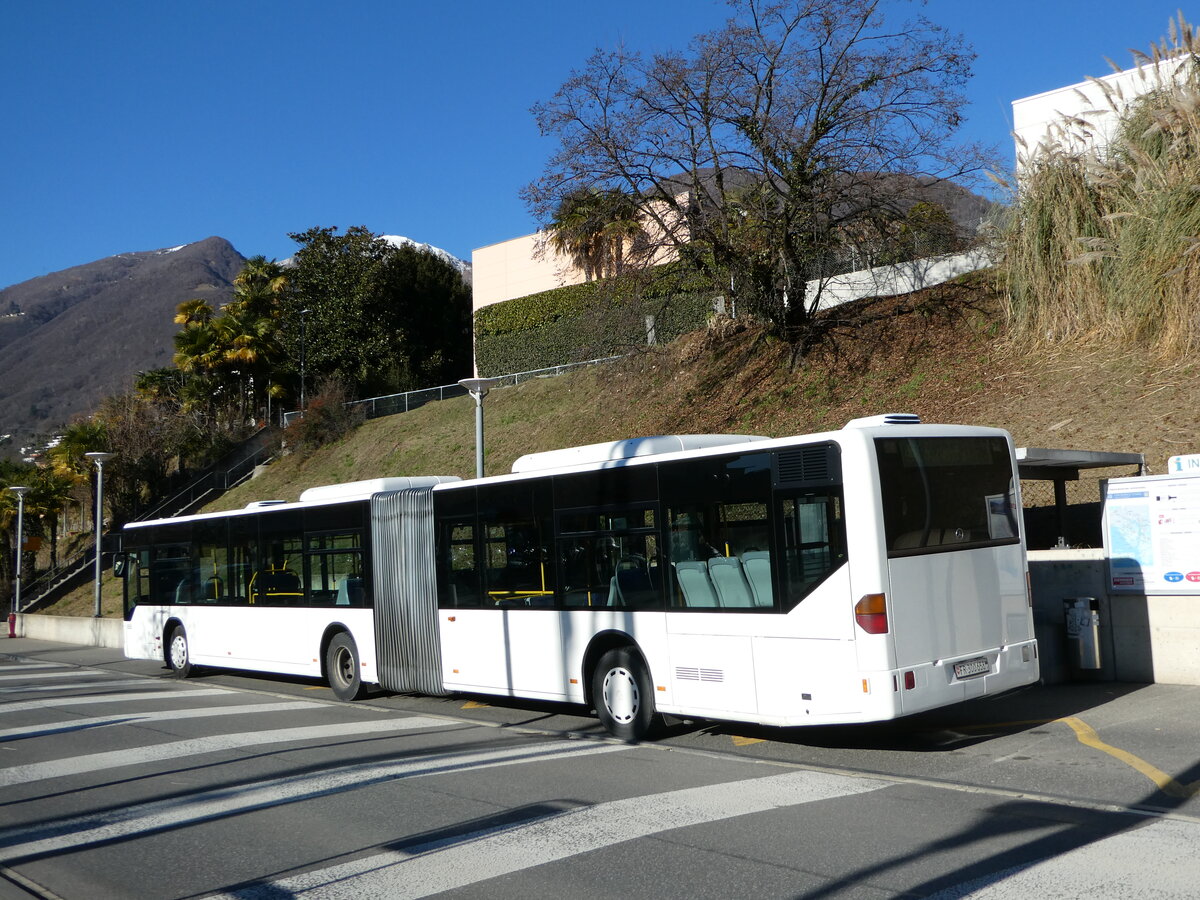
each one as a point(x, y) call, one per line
point(871, 614)
point(910, 680)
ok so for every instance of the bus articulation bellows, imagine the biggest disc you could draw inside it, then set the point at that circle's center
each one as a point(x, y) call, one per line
point(855, 575)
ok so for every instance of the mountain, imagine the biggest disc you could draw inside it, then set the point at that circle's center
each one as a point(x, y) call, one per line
point(71, 338)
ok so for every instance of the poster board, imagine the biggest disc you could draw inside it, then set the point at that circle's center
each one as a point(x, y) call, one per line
point(1152, 534)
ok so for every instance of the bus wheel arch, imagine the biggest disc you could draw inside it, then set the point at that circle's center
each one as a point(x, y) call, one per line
point(619, 687)
point(176, 650)
point(341, 664)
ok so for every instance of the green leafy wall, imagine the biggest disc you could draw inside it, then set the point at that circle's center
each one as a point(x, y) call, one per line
point(585, 321)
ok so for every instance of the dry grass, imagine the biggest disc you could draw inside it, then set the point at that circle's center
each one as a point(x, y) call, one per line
point(1103, 244)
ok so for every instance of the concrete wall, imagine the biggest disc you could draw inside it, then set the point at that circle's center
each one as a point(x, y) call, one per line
point(902, 278)
point(70, 630)
point(1143, 638)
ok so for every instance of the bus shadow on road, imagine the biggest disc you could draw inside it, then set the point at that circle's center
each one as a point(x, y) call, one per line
point(936, 731)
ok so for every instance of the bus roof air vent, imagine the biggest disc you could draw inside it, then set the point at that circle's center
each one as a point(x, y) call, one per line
point(259, 504)
point(885, 419)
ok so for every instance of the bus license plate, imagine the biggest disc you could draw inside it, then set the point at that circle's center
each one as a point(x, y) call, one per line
point(971, 667)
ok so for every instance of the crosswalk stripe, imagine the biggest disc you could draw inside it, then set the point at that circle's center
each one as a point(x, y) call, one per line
point(157, 815)
point(40, 676)
point(102, 683)
point(156, 692)
point(8, 667)
point(1157, 860)
point(459, 862)
point(158, 716)
point(96, 762)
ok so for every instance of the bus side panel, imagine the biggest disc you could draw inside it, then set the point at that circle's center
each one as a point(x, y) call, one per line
point(516, 652)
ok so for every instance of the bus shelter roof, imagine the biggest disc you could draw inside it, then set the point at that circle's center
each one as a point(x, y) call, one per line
point(1043, 464)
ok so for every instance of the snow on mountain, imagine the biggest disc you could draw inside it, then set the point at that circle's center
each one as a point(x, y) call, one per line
point(397, 240)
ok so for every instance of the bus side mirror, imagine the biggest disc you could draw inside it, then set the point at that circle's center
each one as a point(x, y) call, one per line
point(119, 565)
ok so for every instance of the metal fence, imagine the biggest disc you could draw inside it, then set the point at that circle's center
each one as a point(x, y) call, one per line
point(377, 407)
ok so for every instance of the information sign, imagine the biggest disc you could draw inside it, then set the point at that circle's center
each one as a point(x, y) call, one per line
point(1152, 534)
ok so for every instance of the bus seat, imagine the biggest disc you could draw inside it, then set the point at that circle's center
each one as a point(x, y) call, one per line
point(349, 592)
point(757, 566)
point(730, 581)
point(634, 588)
point(695, 584)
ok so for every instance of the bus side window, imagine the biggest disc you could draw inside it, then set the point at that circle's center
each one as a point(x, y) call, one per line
point(813, 542)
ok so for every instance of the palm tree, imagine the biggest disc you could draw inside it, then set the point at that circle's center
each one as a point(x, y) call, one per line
point(593, 228)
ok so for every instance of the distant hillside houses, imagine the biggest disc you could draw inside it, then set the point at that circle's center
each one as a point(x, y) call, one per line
point(531, 264)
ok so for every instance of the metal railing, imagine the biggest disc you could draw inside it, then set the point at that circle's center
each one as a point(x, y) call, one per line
point(391, 404)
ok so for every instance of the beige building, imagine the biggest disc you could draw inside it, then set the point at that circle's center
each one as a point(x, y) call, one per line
point(517, 268)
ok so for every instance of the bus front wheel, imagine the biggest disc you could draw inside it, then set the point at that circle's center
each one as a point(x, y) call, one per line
point(178, 656)
point(342, 668)
point(621, 691)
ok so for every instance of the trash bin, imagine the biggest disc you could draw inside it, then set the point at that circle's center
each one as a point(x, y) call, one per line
point(1083, 632)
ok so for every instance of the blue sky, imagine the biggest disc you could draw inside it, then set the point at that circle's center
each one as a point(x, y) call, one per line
point(145, 124)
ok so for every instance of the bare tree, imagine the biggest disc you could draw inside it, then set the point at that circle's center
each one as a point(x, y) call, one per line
point(770, 150)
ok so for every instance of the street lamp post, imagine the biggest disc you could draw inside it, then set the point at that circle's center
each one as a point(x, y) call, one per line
point(99, 458)
point(20, 490)
point(478, 388)
point(303, 314)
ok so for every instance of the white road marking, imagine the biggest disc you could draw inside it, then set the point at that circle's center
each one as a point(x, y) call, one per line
point(159, 692)
point(236, 799)
point(117, 759)
point(8, 667)
point(460, 862)
point(1157, 860)
point(102, 683)
point(59, 673)
point(160, 715)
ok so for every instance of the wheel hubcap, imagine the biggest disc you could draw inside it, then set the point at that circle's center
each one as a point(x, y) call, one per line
point(621, 697)
point(179, 652)
point(344, 666)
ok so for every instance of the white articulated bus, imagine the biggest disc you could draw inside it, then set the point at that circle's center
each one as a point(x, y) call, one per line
point(851, 576)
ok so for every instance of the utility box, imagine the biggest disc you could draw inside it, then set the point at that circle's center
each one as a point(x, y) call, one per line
point(1083, 632)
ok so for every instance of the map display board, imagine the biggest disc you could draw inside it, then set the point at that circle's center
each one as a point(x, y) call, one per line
point(1152, 534)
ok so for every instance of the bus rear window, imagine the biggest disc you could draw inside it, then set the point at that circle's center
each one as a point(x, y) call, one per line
point(946, 493)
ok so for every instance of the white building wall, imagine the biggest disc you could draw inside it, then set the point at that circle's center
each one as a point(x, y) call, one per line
point(1095, 101)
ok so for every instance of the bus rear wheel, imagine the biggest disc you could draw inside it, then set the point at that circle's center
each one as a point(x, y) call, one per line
point(342, 668)
point(178, 656)
point(621, 691)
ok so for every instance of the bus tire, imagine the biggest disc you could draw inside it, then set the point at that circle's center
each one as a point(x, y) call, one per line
point(342, 668)
point(623, 695)
point(179, 656)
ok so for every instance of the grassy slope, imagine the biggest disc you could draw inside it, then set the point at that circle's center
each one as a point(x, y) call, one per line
point(941, 353)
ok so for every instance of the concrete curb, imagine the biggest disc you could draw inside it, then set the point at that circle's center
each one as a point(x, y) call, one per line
point(70, 630)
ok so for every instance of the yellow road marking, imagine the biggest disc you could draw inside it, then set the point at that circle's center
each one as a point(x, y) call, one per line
point(471, 704)
point(739, 741)
point(1168, 785)
point(319, 687)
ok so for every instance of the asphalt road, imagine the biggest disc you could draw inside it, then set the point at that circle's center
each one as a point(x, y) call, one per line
point(119, 781)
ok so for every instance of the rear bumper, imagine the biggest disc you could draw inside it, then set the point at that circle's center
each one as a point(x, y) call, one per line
point(937, 684)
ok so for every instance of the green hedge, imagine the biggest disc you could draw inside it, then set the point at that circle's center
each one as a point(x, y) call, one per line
point(586, 321)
